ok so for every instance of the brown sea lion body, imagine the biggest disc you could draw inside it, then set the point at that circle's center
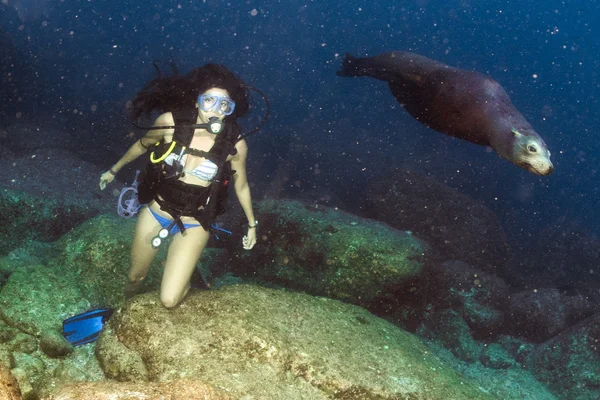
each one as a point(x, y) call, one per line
point(464, 104)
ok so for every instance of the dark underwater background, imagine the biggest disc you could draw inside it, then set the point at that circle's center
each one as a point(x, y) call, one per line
point(70, 67)
point(78, 65)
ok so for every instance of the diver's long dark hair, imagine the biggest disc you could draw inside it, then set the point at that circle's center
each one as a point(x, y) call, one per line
point(167, 93)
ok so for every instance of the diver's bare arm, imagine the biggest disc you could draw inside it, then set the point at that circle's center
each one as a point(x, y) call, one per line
point(141, 146)
point(134, 152)
point(240, 181)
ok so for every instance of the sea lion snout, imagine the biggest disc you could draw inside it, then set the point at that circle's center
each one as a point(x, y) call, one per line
point(549, 170)
point(540, 168)
point(531, 153)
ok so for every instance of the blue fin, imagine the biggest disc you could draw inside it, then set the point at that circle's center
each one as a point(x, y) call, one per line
point(85, 327)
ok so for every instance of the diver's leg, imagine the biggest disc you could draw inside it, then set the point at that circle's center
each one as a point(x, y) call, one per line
point(142, 252)
point(184, 253)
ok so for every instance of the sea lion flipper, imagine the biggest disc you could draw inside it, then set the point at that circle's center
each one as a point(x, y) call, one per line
point(382, 68)
point(353, 66)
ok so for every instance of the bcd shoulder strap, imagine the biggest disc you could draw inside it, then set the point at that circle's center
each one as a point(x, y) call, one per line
point(184, 119)
point(184, 132)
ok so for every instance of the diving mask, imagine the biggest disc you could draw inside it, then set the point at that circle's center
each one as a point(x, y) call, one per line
point(216, 103)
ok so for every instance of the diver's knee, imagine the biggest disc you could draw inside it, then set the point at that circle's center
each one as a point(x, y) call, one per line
point(137, 276)
point(169, 301)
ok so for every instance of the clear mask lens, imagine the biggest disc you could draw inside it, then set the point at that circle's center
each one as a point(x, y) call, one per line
point(221, 104)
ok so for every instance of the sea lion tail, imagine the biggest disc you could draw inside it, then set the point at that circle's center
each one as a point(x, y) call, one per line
point(351, 66)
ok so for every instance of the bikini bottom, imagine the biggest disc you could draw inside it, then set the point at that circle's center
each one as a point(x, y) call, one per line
point(165, 222)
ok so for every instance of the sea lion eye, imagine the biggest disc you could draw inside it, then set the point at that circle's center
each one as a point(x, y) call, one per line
point(531, 149)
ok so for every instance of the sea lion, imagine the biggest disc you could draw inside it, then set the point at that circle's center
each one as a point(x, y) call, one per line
point(464, 104)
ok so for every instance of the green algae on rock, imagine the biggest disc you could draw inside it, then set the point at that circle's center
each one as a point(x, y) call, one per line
point(329, 252)
point(569, 363)
point(275, 344)
point(27, 217)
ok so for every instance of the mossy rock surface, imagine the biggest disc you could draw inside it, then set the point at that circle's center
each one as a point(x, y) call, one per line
point(36, 299)
point(325, 251)
point(28, 217)
point(271, 344)
point(569, 363)
point(109, 390)
point(98, 253)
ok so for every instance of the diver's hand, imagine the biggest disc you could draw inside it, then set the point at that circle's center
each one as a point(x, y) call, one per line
point(105, 179)
point(250, 239)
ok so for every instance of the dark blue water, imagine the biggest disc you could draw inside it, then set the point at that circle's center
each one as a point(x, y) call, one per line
point(90, 57)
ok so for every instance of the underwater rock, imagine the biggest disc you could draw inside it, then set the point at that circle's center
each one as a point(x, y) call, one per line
point(450, 329)
point(172, 390)
point(569, 363)
point(35, 300)
point(457, 227)
point(30, 253)
point(513, 383)
point(40, 204)
point(541, 314)
point(32, 365)
point(54, 345)
point(37, 288)
point(98, 253)
point(22, 343)
point(255, 342)
point(9, 388)
point(85, 268)
point(479, 297)
point(7, 333)
point(116, 359)
point(26, 390)
point(328, 252)
point(565, 256)
point(494, 356)
point(25, 217)
point(518, 348)
point(79, 367)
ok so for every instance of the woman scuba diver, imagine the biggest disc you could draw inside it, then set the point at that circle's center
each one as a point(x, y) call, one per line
point(196, 147)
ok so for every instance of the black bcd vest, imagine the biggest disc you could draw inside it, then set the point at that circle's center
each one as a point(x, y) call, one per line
point(181, 199)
